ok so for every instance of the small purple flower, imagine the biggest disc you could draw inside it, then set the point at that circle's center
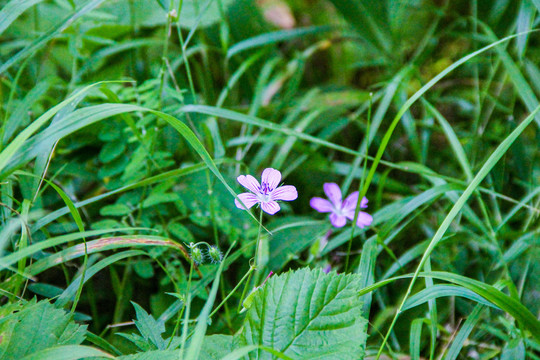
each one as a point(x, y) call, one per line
point(341, 211)
point(266, 193)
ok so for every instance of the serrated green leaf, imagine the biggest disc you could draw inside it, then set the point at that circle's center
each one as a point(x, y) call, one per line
point(38, 326)
point(305, 314)
point(152, 355)
point(215, 347)
point(149, 328)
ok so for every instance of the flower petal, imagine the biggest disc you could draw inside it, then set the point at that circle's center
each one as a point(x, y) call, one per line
point(250, 183)
point(364, 202)
point(351, 201)
point(272, 177)
point(338, 220)
point(364, 219)
point(333, 192)
point(321, 205)
point(248, 199)
point(285, 192)
point(270, 207)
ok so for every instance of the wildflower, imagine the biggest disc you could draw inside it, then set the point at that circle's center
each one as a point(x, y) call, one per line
point(267, 193)
point(340, 210)
point(327, 269)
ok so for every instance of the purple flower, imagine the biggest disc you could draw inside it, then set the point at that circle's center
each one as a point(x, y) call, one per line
point(266, 193)
point(339, 210)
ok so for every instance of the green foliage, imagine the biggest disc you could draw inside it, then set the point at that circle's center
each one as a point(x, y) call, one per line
point(124, 126)
point(150, 330)
point(33, 327)
point(306, 314)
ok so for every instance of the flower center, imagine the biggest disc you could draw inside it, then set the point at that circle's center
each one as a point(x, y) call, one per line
point(265, 189)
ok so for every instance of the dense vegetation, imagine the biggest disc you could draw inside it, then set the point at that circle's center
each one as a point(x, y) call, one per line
point(126, 127)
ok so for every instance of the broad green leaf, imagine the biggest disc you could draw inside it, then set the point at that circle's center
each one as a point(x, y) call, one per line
point(35, 328)
point(306, 314)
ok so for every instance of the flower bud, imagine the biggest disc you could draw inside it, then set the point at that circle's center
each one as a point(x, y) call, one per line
point(215, 254)
point(196, 255)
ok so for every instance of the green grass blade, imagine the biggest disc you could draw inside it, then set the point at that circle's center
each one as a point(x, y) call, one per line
point(19, 140)
point(464, 332)
point(522, 87)
point(12, 10)
point(73, 290)
point(443, 290)
point(413, 99)
point(488, 292)
point(12, 258)
point(366, 269)
point(486, 168)
point(49, 35)
point(177, 173)
point(275, 37)
point(99, 245)
point(415, 338)
point(202, 322)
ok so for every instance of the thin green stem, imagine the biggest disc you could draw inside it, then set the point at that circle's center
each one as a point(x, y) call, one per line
point(258, 245)
point(248, 274)
point(254, 266)
point(186, 62)
point(186, 306)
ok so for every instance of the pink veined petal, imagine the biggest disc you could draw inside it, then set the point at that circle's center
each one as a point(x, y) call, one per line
point(285, 192)
point(248, 199)
point(272, 177)
point(337, 220)
point(250, 183)
point(351, 201)
point(364, 202)
point(364, 219)
point(321, 205)
point(333, 192)
point(270, 207)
